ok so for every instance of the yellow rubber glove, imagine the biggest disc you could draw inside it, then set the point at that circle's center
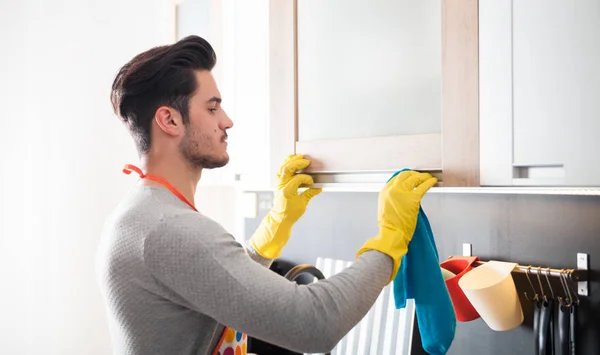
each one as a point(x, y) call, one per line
point(275, 229)
point(398, 208)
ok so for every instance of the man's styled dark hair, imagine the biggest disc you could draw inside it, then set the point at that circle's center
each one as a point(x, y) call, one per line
point(161, 76)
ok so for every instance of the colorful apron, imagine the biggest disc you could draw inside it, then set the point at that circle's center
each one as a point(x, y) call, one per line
point(231, 342)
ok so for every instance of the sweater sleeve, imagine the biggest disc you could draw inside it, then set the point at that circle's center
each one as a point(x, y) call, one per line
point(200, 261)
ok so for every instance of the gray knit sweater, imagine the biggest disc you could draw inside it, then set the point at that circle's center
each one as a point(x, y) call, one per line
point(172, 279)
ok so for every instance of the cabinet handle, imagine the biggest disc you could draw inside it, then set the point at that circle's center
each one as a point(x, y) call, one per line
point(548, 175)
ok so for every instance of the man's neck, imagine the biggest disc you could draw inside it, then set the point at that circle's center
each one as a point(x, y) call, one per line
point(178, 173)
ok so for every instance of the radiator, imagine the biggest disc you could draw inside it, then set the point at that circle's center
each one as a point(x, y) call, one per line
point(384, 330)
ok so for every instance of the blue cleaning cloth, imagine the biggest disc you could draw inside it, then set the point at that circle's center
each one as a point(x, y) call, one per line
point(420, 278)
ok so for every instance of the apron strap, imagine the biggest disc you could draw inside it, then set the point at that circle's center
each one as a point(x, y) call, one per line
point(128, 169)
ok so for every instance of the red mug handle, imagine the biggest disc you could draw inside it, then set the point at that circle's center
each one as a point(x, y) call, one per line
point(470, 260)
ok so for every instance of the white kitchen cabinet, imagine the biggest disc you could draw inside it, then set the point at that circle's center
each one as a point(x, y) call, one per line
point(539, 92)
point(364, 89)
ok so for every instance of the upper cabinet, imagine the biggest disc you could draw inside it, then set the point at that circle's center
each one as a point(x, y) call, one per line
point(540, 92)
point(479, 93)
point(365, 89)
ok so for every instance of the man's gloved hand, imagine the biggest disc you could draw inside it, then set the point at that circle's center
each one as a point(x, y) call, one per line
point(275, 229)
point(398, 208)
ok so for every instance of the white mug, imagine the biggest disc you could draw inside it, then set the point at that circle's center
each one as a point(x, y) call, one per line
point(491, 290)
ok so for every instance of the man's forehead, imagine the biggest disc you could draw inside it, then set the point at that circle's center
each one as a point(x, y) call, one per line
point(207, 86)
point(205, 78)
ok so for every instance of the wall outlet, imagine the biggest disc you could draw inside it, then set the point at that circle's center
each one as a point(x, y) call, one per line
point(467, 249)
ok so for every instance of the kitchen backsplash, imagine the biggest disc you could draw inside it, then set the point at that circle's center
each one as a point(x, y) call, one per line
point(535, 230)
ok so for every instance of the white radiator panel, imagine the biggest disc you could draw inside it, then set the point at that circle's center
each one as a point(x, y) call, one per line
point(384, 330)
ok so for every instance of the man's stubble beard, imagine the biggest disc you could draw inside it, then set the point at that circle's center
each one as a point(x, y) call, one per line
point(193, 147)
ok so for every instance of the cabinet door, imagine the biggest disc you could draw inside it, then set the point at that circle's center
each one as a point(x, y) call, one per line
point(540, 84)
point(365, 89)
point(358, 85)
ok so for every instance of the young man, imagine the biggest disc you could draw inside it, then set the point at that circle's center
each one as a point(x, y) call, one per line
point(174, 281)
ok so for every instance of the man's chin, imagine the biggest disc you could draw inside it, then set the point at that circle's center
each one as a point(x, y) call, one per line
point(214, 163)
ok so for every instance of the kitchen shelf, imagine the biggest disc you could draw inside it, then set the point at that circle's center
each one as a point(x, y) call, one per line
point(376, 187)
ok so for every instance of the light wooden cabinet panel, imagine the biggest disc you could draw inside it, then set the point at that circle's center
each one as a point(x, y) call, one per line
point(539, 89)
point(368, 89)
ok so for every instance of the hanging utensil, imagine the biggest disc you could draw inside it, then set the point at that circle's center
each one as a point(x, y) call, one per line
point(551, 350)
point(564, 308)
point(573, 317)
point(541, 330)
point(564, 328)
point(573, 328)
point(546, 315)
point(537, 307)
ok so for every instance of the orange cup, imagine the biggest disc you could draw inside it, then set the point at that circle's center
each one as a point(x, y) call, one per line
point(460, 265)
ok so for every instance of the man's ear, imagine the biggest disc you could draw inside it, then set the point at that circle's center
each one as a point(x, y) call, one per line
point(169, 120)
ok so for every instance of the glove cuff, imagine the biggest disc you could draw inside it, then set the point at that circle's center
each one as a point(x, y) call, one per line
point(391, 245)
point(271, 236)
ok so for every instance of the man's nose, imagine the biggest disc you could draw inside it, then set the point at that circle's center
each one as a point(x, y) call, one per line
point(227, 122)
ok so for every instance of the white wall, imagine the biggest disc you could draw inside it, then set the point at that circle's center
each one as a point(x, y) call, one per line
point(61, 154)
point(238, 30)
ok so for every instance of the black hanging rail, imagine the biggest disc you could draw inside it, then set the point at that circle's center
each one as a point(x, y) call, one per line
point(579, 275)
point(573, 274)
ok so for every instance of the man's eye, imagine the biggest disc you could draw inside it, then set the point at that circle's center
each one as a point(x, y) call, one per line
point(212, 109)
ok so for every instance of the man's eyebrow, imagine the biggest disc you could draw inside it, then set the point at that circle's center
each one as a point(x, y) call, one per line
point(214, 99)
